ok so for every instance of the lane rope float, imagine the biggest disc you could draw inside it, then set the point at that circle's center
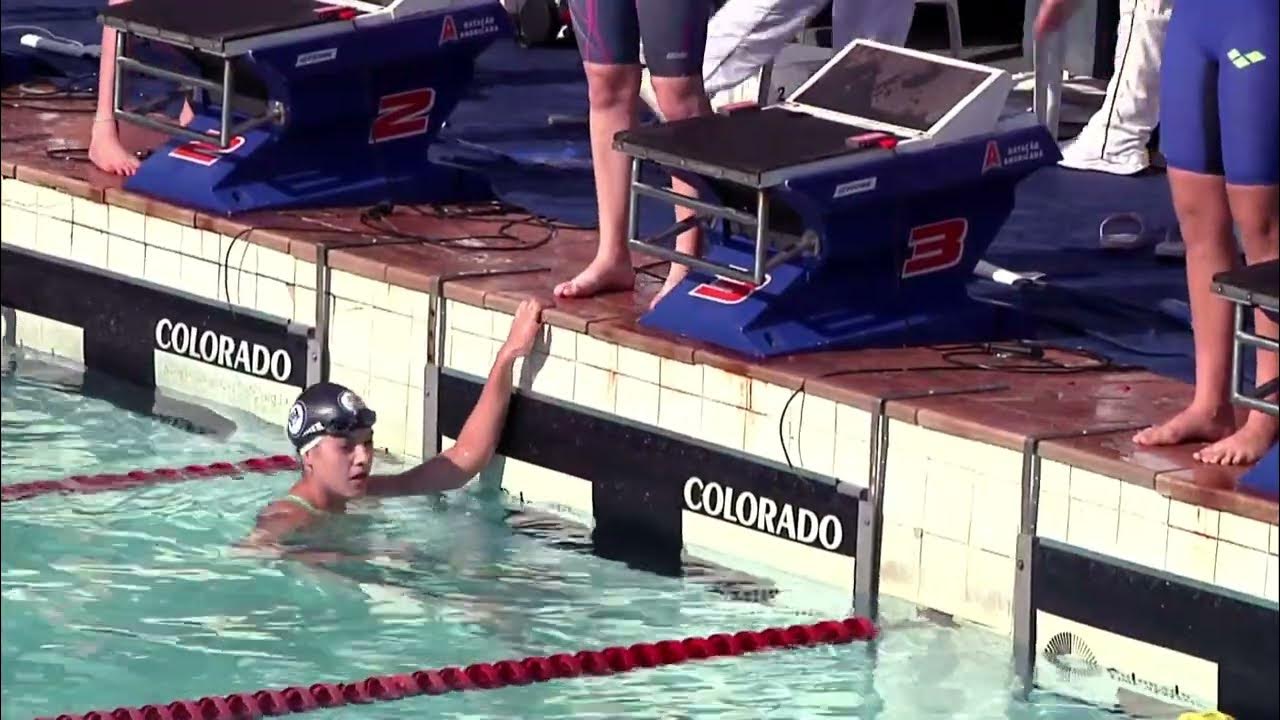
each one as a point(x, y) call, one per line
point(138, 478)
point(488, 676)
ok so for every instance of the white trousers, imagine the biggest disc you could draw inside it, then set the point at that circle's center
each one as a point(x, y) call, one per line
point(1116, 136)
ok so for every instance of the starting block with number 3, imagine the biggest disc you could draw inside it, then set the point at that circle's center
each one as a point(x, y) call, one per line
point(852, 214)
point(304, 102)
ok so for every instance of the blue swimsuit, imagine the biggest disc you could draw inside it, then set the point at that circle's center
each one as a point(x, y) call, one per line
point(1219, 105)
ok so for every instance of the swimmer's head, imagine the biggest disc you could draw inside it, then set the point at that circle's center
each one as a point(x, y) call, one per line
point(332, 430)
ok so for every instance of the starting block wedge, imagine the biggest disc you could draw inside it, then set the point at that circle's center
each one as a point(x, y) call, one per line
point(852, 214)
point(304, 102)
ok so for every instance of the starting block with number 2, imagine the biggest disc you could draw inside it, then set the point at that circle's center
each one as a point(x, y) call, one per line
point(852, 214)
point(304, 102)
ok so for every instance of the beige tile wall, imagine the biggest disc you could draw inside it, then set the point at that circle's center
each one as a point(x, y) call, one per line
point(951, 504)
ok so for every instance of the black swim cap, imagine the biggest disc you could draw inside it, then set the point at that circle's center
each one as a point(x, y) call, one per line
point(326, 409)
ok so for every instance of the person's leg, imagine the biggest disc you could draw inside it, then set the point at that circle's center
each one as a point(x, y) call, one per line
point(675, 33)
point(1249, 102)
point(105, 150)
point(1192, 146)
point(608, 37)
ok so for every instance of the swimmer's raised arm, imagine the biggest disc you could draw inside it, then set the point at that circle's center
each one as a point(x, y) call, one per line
point(479, 437)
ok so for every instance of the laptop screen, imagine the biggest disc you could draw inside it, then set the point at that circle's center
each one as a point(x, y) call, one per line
point(891, 87)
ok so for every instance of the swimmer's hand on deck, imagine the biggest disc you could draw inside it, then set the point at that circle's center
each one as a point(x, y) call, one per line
point(478, 439)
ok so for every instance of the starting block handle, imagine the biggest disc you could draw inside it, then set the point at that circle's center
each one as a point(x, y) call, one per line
point(1049, 57)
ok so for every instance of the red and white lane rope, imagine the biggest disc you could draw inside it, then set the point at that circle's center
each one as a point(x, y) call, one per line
point(138, 478)
point(488, 676)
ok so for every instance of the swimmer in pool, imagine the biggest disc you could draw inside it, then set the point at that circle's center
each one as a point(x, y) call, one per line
point(332, 430)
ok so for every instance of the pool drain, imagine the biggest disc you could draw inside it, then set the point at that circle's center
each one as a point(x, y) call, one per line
point(485, 676)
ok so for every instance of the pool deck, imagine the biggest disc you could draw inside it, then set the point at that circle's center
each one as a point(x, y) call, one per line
point(961, 443)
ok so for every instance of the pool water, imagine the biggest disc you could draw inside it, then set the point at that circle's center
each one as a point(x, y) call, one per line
point(137, 596)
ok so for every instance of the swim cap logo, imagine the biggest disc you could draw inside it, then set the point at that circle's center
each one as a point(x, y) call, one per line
point(349, 401)
point(297, 414)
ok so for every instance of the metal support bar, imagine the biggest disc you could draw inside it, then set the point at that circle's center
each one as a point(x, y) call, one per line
point(1255, 400)
point(701, 206)
point(1024, 629)
point(226, 90)
point(866, 582)
point(322, 308)
point(1049, 57)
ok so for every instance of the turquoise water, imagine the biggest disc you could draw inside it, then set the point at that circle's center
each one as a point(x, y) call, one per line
point(134, 597)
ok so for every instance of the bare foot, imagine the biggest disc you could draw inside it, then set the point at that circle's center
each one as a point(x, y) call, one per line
point(108, 155)
point(675, 275)
point(600, 276)
point(1190, 425)
point(1246, 446)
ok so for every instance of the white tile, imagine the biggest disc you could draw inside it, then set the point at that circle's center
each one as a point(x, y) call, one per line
point(18, 227)
point(948, 502)
point(685, 377)
point(1095, 489)
point(595, 388)
point(943, 573)
point(1142, 540)
point(639, 365)
point(989, 589)
point(1053, 511)
point(1055, 478)
point(273, 297)
point(769, 399)
point(1191, 555)
point(723, 425)
point(560, 342)
point(900, 561)
point(53, 236)
point(1092, 527)
point(127, 257)
point(90, 214)
point(55, 204)
point(281, 266)
point(1272, 589)
point(596, 353)
point(726, 387)
point(1144, 502)
point(391, 399)
point(553, 377)
point(1273, 543)
point(1193, 518)
point(762, 439)
point(679, 412)
point(163, 267)
point(1241, 569)
point(474, 355)
point(127, 223)
point(637, 400)
point(304, 309)
point(391, 350)
point(201, 278)
point(905, 485)
point(997, 510)
point(88, 246)
point(163, 234)
point(1243, 531)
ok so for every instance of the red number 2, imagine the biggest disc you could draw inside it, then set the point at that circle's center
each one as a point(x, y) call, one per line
point(402, 115)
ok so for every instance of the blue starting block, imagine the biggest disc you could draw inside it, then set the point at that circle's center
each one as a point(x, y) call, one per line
point(305, 102)
point(868, 197)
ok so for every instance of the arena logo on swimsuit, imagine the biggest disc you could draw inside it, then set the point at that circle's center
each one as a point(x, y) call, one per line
point(762, 513)
point(217, 349)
